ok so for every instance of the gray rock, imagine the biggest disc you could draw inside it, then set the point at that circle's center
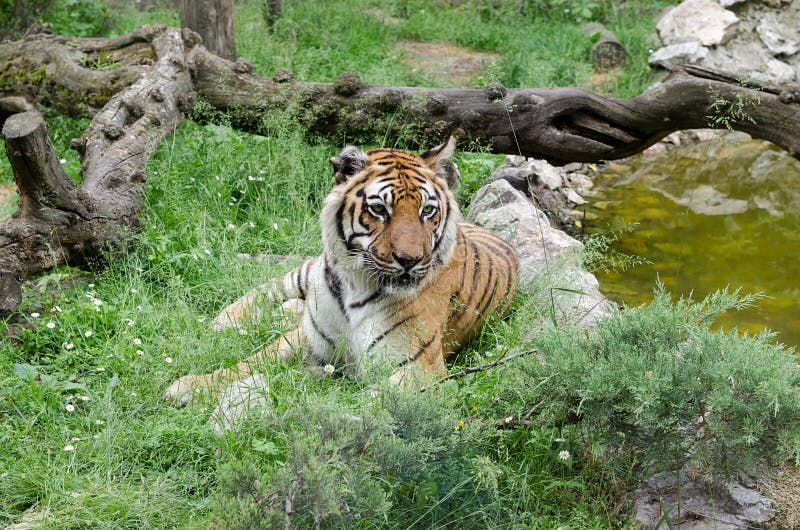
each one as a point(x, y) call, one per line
point(703, 505)
point(703, 20)
point(775, 72)
point(729, 3)
point(550, 266)
point(674, 55)
point(573, 197)
point(780, 33)
point(552, 177)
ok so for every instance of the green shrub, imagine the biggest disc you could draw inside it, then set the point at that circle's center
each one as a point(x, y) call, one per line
point(659, 384)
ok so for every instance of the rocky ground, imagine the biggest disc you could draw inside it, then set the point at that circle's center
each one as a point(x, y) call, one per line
point(758, 40)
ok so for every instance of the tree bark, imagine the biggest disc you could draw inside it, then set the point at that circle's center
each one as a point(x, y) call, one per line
point(61, 222)
point(607, 51)
point(213, 20)
point(146, 81)
point(560, 125)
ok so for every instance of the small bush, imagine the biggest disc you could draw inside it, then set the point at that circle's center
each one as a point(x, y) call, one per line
point(658, 383)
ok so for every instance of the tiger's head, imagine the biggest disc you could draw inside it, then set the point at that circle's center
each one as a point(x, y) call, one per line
point(390, 220)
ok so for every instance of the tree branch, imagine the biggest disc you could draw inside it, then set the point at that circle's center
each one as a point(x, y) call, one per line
point(59, 222)
point(474, 369)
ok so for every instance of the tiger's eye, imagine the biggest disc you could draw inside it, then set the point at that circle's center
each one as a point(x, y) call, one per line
point(378, 209)
point(428, 210)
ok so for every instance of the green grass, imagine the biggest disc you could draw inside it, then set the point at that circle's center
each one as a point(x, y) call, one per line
point(93, 379)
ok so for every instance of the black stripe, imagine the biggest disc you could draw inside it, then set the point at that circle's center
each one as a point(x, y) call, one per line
point(419, 352)
point(335, 287)
point(300, 281)
point(509, 260)
point(339, 226)
point(481, 306)
point(383, 335)
point(444, 225)
point(352, 211)
point(377, 294)
point(355, 235)
point(319, 331)
point(500, 246)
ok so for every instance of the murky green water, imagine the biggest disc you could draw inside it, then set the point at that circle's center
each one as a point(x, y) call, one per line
point(710, 215)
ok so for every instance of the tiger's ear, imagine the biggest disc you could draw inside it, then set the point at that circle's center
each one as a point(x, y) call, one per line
point(440, 160)
point(347, 163)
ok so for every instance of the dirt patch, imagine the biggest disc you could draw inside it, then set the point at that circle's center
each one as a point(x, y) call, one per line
point(784, 487)
point(459, 65)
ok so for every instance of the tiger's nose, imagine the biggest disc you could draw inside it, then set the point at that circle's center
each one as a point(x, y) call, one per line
point(406, 261)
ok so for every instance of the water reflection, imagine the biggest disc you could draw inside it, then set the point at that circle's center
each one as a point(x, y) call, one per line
point(710, 215)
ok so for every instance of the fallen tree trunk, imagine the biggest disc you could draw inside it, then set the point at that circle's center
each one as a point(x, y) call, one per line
point(61, 222)
point(560, 125)
point(147, 81)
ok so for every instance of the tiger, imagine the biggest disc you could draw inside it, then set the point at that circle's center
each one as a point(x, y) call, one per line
point(402, 279)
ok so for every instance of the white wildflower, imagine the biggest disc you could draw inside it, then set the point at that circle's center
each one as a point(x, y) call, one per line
point(137, 341)
point(87, 333)
point(563, 455)
point(68, 346)
point(35, 315)
point(51, 325)
point(70, 407)
point(329, 369)
point(168, 360)
point(69, 448)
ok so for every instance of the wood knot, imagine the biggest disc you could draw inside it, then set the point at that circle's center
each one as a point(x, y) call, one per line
point(787, 97)
point(527, 99)
point(135, 109)
point(389, 101)
point(113, 132)
point(495, 91)
point(139, 177)
point(186, 102)
point(156, 94)
point(242, 66)
point(437, 104)
point(78, 145)
point(190, 38)
point(470, 119)
point(283, 75)
point(178, 63)
point(348, 84)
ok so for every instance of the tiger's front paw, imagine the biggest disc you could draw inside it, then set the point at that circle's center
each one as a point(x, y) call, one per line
point(185, 390)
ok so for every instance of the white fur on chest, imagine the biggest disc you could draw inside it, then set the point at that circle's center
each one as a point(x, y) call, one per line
point(345, 338)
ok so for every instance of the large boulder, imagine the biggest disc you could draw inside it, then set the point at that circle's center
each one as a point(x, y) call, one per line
point(675, 55)
point(550, 260)
point(704, 20)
